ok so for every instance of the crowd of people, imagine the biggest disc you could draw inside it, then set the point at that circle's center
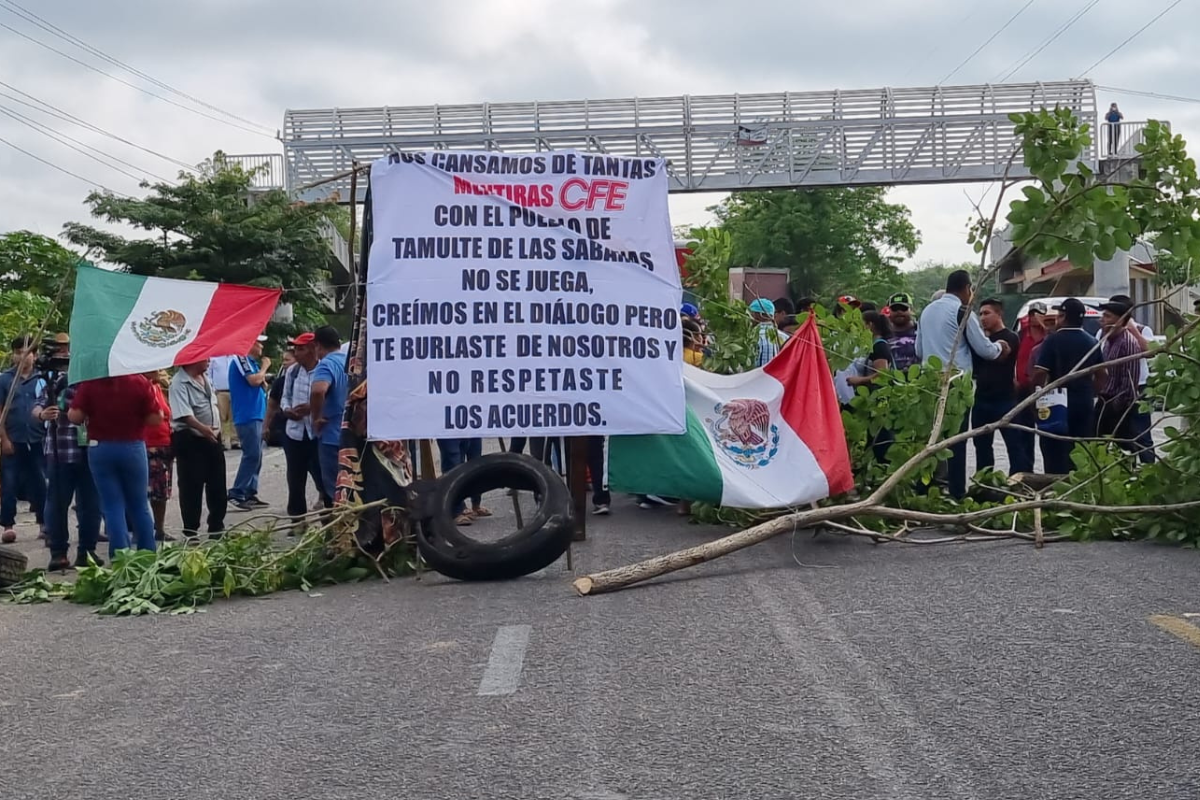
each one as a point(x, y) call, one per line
point(1006, 366)
point(109, 447)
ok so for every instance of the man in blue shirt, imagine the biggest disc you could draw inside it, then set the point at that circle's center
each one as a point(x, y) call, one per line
point(21, 438)
point(248, 401)
point(936, 336)
point(327, 403)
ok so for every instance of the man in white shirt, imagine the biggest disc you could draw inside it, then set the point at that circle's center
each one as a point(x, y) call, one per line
point(300, 444)
point(936, 335)
point(218, 376)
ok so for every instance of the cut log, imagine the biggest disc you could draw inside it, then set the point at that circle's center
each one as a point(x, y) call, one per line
point(610, 580)
point(1035, 481)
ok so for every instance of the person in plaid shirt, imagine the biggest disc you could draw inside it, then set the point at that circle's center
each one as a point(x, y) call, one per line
point(65, 448)
point(770, 338)
point(1118, 396)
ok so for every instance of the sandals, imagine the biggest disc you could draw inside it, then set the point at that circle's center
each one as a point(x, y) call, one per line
point(463, 519)
point(476, 513)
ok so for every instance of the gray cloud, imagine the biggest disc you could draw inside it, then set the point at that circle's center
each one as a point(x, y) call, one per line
point(259, 57)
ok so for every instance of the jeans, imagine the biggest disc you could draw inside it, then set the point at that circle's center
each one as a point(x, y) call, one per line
point(25, 467)
point(67, 482)
point(328, 456)
point(303, 461)
point(460, 451)
point(121, 472)
point(956, 470)
point(1122, 419)
point(595, 465)
point(245, 484)
point(1028, 440)
point(200, 464)
point(985, 412)
point(1140, 425)
point(1057, 452)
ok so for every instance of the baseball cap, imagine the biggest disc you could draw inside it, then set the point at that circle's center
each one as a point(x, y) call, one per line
point(689, 309)
point(1037, 307)
point(302, 339)
point(903, 299)
point(762, 306)
point(849, 300)
point(1073, 307)
point(1117, 307)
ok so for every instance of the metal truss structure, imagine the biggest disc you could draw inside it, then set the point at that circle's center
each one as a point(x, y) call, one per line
point(941, 134)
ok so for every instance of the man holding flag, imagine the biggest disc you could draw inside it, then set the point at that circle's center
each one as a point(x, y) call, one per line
point(125, 325)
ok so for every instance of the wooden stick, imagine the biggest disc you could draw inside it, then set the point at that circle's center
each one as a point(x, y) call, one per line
point(577, 482)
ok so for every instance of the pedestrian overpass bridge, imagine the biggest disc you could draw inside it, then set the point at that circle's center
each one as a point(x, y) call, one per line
point(892, 136)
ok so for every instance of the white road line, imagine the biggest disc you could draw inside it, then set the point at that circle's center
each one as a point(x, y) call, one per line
point(503, 671)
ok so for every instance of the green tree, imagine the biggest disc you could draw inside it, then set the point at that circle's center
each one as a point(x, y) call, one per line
point(211, 227)
point(832, 241)
point(22, 313)
point(38, 265)
point(928, 278)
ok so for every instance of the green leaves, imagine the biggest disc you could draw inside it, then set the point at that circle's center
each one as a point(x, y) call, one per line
point(36, 266)
point(180, 578)
point(1074, 213)
point(207, 228)
point(832, 241)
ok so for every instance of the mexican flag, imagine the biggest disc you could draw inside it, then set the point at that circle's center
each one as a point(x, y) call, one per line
point(124, 324)
point(770, 438)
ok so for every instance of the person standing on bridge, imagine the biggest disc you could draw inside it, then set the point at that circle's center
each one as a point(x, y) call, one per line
point(1113, 118)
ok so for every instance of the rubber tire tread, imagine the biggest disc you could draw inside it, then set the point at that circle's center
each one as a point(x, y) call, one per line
point(539, 543)
point(13, 564)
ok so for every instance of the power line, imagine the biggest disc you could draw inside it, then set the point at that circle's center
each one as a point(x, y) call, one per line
point(50, 27)
point(51, 164)
point(990, 39)
point(1021, 62)
point(96, 69)
point(59, 136)
point(137, 178)
point(58, 113)
point(941, 40)
point(1173, 97)
point(1135, 34)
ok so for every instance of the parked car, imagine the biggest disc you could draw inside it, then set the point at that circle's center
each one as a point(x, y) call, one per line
point(1092, 318)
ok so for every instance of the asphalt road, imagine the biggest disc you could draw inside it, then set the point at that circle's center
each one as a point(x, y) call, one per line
point(805, 668)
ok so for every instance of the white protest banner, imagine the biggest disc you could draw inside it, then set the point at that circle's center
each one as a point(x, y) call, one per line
point(533, 294)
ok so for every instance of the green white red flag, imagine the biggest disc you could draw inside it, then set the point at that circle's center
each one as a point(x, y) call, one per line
point(124, 324)
point(769, 438)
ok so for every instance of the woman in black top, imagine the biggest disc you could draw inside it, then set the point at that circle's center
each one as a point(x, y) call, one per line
point(881, 352)
point(879, 360)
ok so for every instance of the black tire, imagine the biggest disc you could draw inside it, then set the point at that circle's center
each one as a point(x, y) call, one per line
point(13, 565)
point(540, 542)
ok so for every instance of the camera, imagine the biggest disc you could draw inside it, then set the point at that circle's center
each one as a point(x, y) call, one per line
point(51, 357)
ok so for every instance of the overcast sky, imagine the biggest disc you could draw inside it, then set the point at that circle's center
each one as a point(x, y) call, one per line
point(255, 58)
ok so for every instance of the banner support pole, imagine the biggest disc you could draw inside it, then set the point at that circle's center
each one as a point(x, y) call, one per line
point(577, 483)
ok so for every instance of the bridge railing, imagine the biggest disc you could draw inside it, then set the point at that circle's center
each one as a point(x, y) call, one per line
point(267, 169)
point(713, 142)
point(1122, 142)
